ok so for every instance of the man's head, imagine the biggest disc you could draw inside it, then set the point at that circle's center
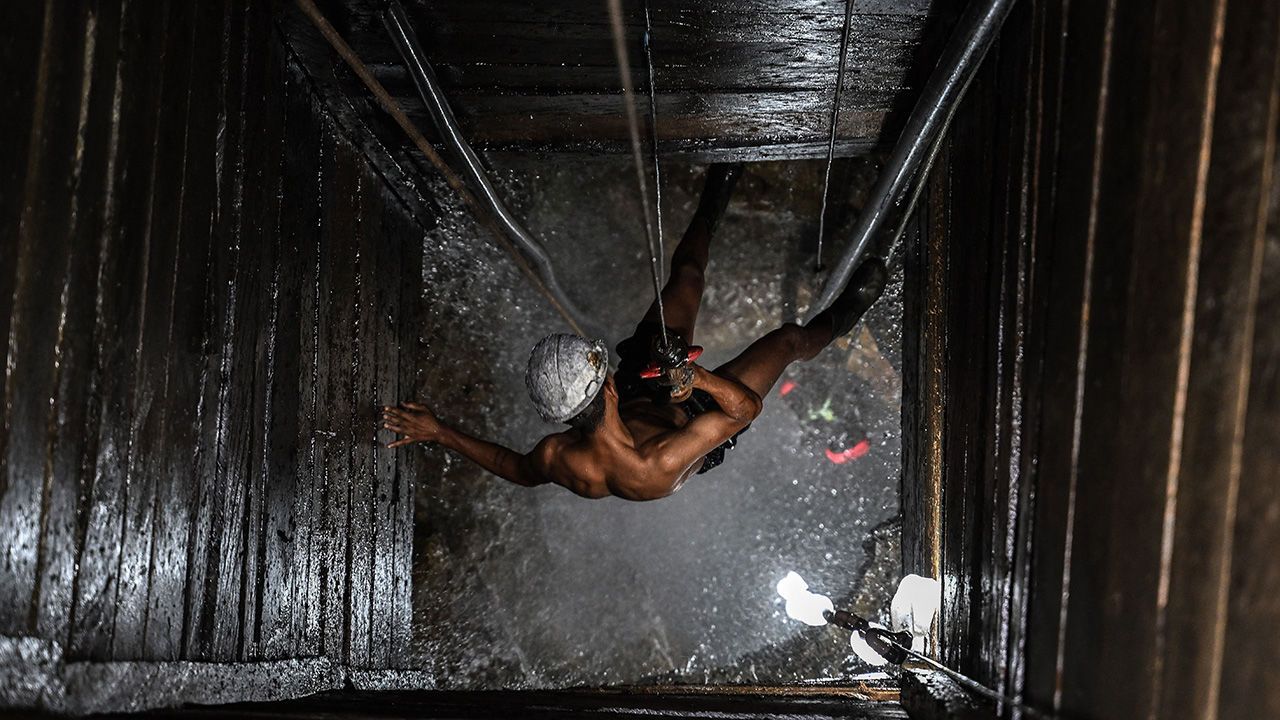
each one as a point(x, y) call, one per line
point(566, 378)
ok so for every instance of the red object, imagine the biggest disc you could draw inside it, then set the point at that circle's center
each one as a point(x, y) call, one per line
point(654, 370)
point(853, 453)
point(787, 387)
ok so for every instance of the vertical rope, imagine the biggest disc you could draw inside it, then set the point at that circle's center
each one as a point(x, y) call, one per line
point(633, 127)
point(653, 128)
point(835, 116)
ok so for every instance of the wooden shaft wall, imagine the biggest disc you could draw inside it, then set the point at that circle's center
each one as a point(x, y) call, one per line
point(1109, 363)
point(203, 290)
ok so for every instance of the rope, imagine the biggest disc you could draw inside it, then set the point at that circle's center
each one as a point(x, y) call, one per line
point(389, 105)
point(653, 126)
point(835, 115)
point(633, 128)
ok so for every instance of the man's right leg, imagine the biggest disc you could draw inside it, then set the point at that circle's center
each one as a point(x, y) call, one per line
point(682, 294)
point(763, 362)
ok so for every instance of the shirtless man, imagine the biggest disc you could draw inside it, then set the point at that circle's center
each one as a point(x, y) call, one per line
point(625, 438)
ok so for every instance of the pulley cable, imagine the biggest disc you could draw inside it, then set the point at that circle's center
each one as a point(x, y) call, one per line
point(633, 128)
point(389, 105)
point(835, 117)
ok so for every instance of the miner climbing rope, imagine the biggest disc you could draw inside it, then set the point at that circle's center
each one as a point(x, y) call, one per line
point(640, 432)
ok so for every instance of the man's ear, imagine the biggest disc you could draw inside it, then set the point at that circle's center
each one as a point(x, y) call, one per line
point(609, 387)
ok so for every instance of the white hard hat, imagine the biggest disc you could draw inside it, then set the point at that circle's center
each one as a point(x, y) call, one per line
point(565, 374)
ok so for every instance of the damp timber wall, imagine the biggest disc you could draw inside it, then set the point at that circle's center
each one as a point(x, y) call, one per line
point(1095, 414)
point(203, 295)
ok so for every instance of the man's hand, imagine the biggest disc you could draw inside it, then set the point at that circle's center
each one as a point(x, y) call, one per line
point(413, 420)
point(735, 399)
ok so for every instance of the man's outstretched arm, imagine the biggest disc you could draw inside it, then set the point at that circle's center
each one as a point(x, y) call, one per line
point(418, 424)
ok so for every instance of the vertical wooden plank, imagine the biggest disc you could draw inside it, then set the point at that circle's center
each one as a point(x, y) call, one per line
point(214, 498)
point(284, 556)
point(147, 478)
point(238, 372)
point(264, 104)
point(1065, 218)
point(306, 192)
point(117, 333)
point(410, 327)
point(21, 52)
point(337, 320)
point(360, 581)
point(1011, 245)
point(1251, 676)
point(72, 435)
point(968, 325)
point(1236, 200)
point(42, 247)
point(309, 508)
point(1138, 354)
point(177, 454)
point(386, 246)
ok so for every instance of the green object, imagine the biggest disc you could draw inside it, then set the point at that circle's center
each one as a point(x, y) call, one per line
point(823, 413)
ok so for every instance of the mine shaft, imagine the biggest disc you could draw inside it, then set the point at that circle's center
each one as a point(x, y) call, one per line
point(640, 358)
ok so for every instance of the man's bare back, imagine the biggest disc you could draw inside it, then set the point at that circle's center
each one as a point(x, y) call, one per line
point(639, 448)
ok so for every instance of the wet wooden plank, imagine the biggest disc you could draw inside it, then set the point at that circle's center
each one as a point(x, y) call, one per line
point(691, 52)
point(572, 11)
point(149, 478)
point(262, 230)
point(967, 342)
point(72, 425)
point(388, 258)
point(1065, 208)
point(190, 325)
point(285, 560)
point(118, 333)
point(729, 78)
point(214, 497)
point(410, 328)
point(364, 400)
point(728, 117)
point(1251, 676)
point(42, 251)
point(309, 616)
point(1221, 348)
point(335, 411)
point(1002, 555)
point(1138, 354)
point(21, 52)
point(240, 371)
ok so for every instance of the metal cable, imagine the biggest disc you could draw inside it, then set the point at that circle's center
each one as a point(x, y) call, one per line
point(633, 128)
point(424, 78)
point(855, 623)
point(973, 36)
point(389, 105)
point(835, 116)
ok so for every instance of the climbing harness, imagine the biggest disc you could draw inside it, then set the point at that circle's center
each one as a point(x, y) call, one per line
point(831, 140)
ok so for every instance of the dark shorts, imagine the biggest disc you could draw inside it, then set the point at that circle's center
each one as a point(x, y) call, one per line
point(633, 356)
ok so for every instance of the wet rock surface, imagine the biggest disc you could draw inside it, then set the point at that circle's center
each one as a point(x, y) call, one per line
point(520, 587)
